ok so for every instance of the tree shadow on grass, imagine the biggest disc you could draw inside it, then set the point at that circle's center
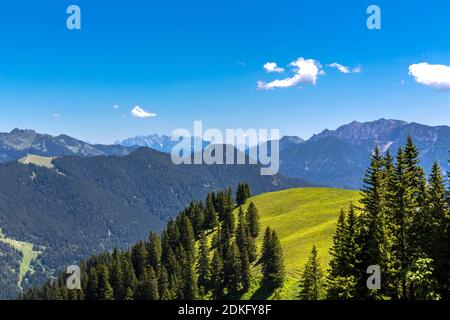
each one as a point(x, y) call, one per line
point(264, 291)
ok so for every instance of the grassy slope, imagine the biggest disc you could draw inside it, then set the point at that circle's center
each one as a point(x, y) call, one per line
point(38, 160)
point(27, 251)
point(302, 217)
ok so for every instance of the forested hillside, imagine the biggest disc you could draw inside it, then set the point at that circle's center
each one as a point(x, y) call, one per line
point(401, 227)
point(81, 206)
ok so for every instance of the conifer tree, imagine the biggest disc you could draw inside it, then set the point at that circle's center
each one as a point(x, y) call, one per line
point(341, 276)
point(415, 182)
point(398, 204)
point(129, 277)
point(245, 269)
point(217, 274)
point(190, 288)
point(371, 238)
point(187, 239)
point(211, 217)
point(93, 285)
point(147, 288)
point(247, 191)
point(139, 258)
point(240, 194)
point(104, 290)
point(232, 269)
point(163, 284)
point(203, 270)
point(117, 276)
point(311, 283)
point(242, 232)
point(154, 251)
point(272, 259)
point(393, 217)
point(253, 220)
point(435, 242)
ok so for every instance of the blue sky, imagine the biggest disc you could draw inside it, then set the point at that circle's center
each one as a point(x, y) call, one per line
point(201, 60)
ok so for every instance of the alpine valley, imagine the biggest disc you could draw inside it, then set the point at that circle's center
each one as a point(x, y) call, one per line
point(63, 200)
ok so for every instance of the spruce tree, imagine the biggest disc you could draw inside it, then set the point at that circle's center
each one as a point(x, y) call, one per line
point(435, 242)
point(154, 251)
point(245, 269)
point(253, 220)
point(187, 239)
point(211, 217)
point(139, 258)
point(247, 191)
point(272, 260)
point(190, 288)
point(311, 283)
point(93, 285)
point(147, 288)
point(394, 223)
point(341, 278)
point(370, 236)
point(117, 276)
point(129, 277)
point(104, 289)
point(415, 182)
point(217, 274)
point(203, 270)
point(232, 269)
point(163, 285)
point(240, 195)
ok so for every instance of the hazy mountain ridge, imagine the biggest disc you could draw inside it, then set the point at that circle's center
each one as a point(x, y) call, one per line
point(333, 157)
point(18, 143)
point(339, 157)
point(162, 143)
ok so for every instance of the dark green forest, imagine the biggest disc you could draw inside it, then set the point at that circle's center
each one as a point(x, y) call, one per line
point(401, 225)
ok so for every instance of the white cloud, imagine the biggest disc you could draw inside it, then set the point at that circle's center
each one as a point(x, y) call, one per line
point(115, 106)
point(56, 115)
point(306, 71)
point(138, 112)
point(345, 69)
point(340, 67)
point(357, 69)
point(432, 75)
point(272, 67)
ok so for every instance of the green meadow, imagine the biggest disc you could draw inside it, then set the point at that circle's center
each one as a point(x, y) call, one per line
point(28, 254)
point(302, 217)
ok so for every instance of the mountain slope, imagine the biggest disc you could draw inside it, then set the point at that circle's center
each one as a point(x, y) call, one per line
point(339, 157)
point(301, 217)
point(18, 143)
point(161, 143)
point(86, 205)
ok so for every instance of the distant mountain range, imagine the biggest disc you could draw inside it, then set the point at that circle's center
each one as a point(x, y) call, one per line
point(18, 143)
point(72, 207)
point(161, 143)
point(335, 158)
point(339, 157)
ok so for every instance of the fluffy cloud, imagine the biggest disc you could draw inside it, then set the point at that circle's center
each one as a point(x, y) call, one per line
point(344, 69)
point(306, 71)
point(432, 75)
point(138, 112)
point(272, 67)
point(340, 67)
